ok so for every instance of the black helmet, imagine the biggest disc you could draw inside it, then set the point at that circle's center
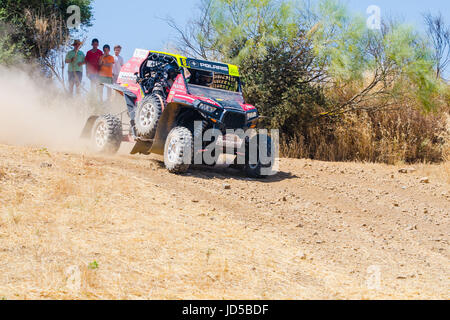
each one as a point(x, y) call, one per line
point(204, 78)
point(171, 72)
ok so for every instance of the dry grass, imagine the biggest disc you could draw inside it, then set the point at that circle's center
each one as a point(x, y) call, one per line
point(393, 136)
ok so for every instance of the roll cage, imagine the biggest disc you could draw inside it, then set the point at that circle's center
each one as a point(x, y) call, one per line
point(226, 76)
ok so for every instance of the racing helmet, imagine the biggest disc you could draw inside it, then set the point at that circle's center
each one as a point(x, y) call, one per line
point(171, 72)
point(204, 78)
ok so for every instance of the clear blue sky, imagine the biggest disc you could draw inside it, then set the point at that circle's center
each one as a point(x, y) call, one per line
point(139, 23)
point(410, 10)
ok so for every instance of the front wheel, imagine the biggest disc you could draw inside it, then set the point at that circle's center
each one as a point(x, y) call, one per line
point(178, 150)
point(259, 156)
point(147, 116)
point(106, 134)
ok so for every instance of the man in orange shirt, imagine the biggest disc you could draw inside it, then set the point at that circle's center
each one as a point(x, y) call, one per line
point(106, 63)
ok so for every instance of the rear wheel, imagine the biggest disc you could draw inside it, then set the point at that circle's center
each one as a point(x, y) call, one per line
point(147, 116)
point(106, 134)
point(178, 150)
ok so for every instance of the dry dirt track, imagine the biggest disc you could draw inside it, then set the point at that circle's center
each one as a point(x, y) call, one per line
point(317, 230)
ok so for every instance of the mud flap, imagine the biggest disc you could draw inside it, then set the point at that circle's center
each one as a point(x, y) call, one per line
point(130, 98)
point(142, 147)
point(166, 123)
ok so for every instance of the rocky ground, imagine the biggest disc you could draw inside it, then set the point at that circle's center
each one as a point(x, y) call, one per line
point(74, 225)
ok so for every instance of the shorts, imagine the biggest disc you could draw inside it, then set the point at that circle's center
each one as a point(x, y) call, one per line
point(107, 80)
point(93, 77)
point(75, 77)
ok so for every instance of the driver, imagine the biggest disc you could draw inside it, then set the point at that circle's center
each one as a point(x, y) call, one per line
point(204, 78)
point(172, 74)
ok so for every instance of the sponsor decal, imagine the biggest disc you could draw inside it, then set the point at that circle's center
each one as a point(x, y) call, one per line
point(127, 76)
point(234, 71)
point(206, 65)
point(247, 107)
point(207, 100)
point(141, 53)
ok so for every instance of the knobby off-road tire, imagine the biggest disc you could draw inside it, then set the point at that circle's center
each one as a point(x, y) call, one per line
point(178, 150)
point(147, 116)
point(106, 134)
point(256, 169)
point(198, 134)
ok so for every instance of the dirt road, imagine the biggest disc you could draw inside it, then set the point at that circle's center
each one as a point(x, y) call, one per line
point(86, 226)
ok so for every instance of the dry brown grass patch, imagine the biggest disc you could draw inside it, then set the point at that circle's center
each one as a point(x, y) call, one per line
point(390, 136)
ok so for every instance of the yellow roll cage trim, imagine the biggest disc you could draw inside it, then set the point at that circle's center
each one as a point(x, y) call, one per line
point(181, 60)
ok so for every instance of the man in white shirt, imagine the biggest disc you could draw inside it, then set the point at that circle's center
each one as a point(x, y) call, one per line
point(118, 63)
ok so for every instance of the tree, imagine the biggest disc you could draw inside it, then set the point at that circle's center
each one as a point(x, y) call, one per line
point(230, 29)
point(37, 30)
point(286, 83)
point(25, 18)
point(8, 49)
point(439, 35)
point(50, 40)
point(372, 69)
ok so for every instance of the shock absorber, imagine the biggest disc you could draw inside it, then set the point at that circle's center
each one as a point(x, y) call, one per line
point(133, 129)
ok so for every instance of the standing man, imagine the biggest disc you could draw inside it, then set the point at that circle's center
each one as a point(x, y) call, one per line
point(106, 63)
point(92, 64)
point(118, 63)
point(75, 60)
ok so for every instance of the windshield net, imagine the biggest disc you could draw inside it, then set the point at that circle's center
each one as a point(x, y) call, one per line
point(225, 82)
point(213, 80)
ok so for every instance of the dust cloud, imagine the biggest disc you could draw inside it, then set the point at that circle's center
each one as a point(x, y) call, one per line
point(33, 112)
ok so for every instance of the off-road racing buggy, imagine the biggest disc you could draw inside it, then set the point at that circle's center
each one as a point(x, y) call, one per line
point(172, 101)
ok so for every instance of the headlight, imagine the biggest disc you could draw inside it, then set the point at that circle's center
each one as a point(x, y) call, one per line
point(252, 115)
point(207, 108)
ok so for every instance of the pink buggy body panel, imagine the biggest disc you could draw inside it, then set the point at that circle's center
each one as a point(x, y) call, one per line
point(127, 78)
point(179, 92)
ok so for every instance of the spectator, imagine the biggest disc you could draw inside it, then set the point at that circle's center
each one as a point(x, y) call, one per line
point(106, 63)
point(118, 63)
point(92, 64)
point(75, 60)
